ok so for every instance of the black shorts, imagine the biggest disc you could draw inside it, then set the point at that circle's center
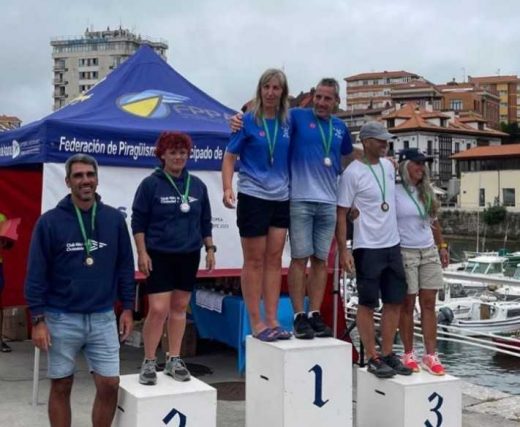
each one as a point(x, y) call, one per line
point(172, 271)
point(380, 270)
point(255, 215)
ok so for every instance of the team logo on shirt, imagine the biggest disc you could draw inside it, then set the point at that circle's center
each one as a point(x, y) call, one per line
point(79, 246)
point(312, 125)
point(338, 133)
point(171, 200)
point(261, 133)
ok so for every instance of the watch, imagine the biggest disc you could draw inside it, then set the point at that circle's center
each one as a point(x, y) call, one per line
point(37, 319)
point(211, 248)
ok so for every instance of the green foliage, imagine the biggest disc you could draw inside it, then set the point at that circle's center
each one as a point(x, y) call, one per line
point(494, 215)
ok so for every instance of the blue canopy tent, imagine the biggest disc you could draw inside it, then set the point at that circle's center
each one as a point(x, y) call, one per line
point(119, 119)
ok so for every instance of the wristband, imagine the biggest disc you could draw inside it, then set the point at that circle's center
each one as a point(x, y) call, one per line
point(442, 245)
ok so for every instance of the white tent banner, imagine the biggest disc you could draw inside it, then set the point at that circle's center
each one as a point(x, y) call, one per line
point(117, 186)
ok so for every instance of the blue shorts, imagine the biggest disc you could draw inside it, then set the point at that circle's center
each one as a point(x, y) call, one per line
point(94, 334)
point(311, 229)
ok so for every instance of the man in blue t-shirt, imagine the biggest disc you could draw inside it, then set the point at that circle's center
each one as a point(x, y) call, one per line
point(320, 144)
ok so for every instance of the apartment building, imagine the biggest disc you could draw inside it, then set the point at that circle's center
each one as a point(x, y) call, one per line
point(508, 89)
point(79, 62)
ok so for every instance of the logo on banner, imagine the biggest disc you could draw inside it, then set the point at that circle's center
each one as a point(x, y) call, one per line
point(151, 104)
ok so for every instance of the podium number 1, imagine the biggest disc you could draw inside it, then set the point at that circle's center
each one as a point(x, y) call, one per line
point(435, 410)
point(318, 383)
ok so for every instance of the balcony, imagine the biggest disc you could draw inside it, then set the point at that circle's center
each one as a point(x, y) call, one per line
point(60, 82)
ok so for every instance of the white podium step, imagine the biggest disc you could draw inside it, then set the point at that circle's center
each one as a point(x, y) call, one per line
point(418, 400)
point(169, 403)
point(298, 383)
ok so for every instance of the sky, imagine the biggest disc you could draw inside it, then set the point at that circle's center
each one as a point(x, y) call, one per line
point(223, 46)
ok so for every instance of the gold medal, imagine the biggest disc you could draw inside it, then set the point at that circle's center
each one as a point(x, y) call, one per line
point(89, 261)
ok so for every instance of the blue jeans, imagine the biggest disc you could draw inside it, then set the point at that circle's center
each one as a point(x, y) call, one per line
point(95, 334)
point(311, 229)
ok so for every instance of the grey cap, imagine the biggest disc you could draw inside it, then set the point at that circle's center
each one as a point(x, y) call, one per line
point(374, 130)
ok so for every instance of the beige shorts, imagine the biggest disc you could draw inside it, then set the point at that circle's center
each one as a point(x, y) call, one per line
point(422, 268)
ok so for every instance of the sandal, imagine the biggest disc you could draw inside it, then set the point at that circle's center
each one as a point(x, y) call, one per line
point(4, 348)
point(281, 333)
point(267, 335)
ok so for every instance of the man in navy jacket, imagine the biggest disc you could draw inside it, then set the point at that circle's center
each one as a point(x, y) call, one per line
point(80, 263)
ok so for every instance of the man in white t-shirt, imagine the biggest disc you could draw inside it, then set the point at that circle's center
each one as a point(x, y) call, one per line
point(368, 185)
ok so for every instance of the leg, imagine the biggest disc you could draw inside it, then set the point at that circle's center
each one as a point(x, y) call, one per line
point(389, 324)
point(365, 325)
point(158, 308)
point(428, 319)
point(296, 281)
point(273, 274)
point(177, 320)
point(317, 282)
point(59, 402)
point(106, 400)
point(406, 323)
point(253, 249)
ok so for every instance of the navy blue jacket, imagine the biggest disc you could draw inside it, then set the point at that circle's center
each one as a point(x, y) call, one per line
point(57, 277)
point(156, 213)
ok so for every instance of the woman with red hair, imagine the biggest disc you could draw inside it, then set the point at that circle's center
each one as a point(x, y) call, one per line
point(171, 221)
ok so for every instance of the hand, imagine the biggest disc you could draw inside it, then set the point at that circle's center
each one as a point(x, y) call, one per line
point(346, 261)
point(229, 198)
point(210, 260)
point(144, 263)
point(235, 122)
point(41, 337)
point(445, 257)
point(126, 324)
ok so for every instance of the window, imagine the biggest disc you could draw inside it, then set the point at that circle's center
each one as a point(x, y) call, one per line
point(468, 146)
point(429, 150)
point(456, 104)
point(457, 147)
point(508, 196)
point(406, 144)
point(482, 197)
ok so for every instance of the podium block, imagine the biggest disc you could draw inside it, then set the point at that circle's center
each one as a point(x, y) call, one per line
point(168, 403)
point(298, 383)
point(421, 399)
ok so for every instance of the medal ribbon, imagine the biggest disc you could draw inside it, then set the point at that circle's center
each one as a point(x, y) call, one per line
point(184, 197)
point(381, 187)
point(86, 242)
point(326, 142)
point(422, 214)
point(271, 142)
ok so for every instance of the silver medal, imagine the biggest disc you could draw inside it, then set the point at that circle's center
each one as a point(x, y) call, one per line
point(89, 261)
point(327, 162)
point(185, 207)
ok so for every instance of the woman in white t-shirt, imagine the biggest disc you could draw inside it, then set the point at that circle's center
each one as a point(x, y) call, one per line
point(424, 254)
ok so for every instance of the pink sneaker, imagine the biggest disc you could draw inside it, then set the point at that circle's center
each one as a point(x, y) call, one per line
point(410, 361)
point(431, 363)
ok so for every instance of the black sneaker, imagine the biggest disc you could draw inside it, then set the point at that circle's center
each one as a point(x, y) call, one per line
point(148, 375)
point(379, 368)
point(395, 363)
point(302, 328)
point(318, 325)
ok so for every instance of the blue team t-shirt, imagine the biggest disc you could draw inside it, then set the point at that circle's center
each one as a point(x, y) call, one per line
point(311, 179)
point(257, 176)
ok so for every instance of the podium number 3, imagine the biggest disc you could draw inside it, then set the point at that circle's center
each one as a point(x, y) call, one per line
point(435, 410)
point(318, 383)
point(182, 418)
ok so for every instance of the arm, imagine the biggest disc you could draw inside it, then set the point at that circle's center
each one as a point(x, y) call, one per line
point(144, 262)
point(346, 262)
point(439, 241)
point(228, 167)
point(140, 221)
point(235, 122)
point(36, 284)
point(206, 229)
point(126, 281)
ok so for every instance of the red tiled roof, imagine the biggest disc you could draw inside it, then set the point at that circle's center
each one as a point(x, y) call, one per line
point(4, 118)
point(494, 79)
point(379, 75)
point(510, 150)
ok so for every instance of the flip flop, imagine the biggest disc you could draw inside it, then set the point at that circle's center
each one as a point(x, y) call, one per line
point(267, 335)
point(281, 333)
point(4, 348)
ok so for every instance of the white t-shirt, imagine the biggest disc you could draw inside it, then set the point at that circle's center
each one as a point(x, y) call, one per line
point(373, 228)
point(415, 232)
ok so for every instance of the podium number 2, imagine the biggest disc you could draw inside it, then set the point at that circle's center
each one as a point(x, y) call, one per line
point(435, 410)
point(318, 383)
